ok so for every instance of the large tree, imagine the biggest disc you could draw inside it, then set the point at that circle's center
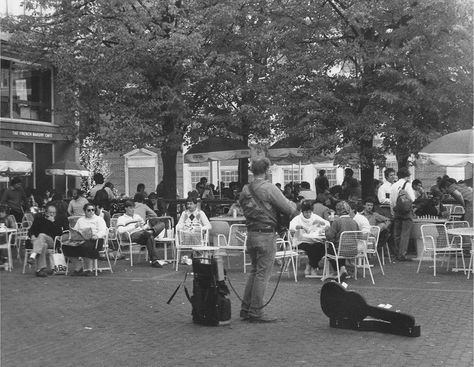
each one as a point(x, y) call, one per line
point(401, 69)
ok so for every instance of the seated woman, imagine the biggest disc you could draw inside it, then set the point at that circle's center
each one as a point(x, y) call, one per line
point(92, 228)
point(343, 222)
point(305, 224)
point(10, 222)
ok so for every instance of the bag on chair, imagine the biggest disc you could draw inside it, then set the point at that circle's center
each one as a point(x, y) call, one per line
point(58, 263)
point(210, 302)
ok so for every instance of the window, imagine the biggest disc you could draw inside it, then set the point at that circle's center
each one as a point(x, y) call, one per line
point(331, 175)
point(228, 175)
point(25, 91)
point(291, 174)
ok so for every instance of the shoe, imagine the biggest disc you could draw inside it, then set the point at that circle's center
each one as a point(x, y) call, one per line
point(244, 315)
point(307, 271)
point(41, 273)
point(87, 273)
point(314, 273)
point(31, 261)
point(344, 276)
point(156, 264)
point(262, 320)
point(77, 273)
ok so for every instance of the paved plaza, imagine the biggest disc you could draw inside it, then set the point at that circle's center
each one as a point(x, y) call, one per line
point(122, 319)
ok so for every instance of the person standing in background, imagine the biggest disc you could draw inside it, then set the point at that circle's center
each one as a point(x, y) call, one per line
point(402, 222)
point(321, 182)
point(15, 198)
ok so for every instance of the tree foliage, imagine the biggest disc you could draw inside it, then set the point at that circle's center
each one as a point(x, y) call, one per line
point(331, 72)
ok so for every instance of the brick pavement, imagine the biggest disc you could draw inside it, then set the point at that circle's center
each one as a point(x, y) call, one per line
point(122, 319)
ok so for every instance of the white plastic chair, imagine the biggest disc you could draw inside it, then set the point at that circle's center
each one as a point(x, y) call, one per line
point(236, 241)
point(287, 254)
point(168, 237)
point(457, 213)
point(436, 241)
point(185, 241)
point(372, 244)
point(104, 252)
point(125, 240)
point(8, 246)
point(352, 245)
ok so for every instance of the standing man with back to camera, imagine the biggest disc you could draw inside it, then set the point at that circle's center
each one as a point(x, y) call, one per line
point(261, 202)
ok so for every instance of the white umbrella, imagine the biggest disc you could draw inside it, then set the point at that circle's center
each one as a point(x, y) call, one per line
point(451, 150)
point(13, 162)
point(67, 168)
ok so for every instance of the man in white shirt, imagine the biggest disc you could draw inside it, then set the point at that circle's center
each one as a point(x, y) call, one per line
point(362, 222)
point(384, 191)
point(402, 222)
point(135, 225)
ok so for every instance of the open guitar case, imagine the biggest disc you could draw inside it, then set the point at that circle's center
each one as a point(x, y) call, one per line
point(349, 310)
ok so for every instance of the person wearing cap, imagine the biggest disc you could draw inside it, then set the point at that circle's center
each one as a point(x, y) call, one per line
point(402, 222)
point(261, 236)
point(15, 198)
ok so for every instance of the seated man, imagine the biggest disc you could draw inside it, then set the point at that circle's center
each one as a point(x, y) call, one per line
point(376, 219)
point(135, 225)
point(42, 233)
point(343, 222)
point(92, 228)
point(147, 214)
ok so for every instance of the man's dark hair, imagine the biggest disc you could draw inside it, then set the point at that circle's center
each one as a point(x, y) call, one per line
point(387, 172)
point(98, 178)
point(306, 205)
point(416, 182)
point(15, 180)
point(139, 197)
point(369, 199)
point(349, 172)
point(322, 172)
point(305, 185)
point(140, 187)
point(403, 172)
point(192, 199)
point(129, 204)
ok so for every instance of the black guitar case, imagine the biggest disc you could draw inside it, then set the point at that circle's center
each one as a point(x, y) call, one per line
point(349, 310)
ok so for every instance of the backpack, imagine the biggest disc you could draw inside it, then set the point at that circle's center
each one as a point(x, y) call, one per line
point(102, 197)
point(210, 300)
point(403, 204)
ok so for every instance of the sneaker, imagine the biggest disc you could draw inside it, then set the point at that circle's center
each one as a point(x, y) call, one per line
point(156, 264)
point(31, 261)
point(314, 273)
point(307, 271)
point(41, 273)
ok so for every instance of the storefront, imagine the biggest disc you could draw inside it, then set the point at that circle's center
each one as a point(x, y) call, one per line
point(28, 123)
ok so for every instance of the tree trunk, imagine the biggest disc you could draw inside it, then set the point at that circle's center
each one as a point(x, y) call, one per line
point(168, 156)
point(243, 171)
point(367, 168)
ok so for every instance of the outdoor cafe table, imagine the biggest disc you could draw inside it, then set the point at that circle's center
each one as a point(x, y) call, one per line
point(7, 231)
point(463, 231)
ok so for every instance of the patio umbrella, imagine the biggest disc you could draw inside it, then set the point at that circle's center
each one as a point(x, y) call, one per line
point(13, 162)
point(67, 168)
point(217, 149)
point(451, 150)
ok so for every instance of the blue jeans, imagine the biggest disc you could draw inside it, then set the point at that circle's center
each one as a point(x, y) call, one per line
point(402, 230)
point(262, 248)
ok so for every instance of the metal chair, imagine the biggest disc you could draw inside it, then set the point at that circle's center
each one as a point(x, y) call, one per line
point(436, 241)
point(286, 252)
point(457, 213)
point(352, 245)
point(125, 240)
point(372, 244)
point(236, 241)
point(185, 241)
point(167, 237)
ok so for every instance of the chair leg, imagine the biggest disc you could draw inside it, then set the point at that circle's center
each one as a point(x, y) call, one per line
point(434, 261)
point(419, 263)
point(378, 258)
point(366, 260)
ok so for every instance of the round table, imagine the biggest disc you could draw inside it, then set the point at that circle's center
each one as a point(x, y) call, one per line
point(229, 219)
point(462, 231)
